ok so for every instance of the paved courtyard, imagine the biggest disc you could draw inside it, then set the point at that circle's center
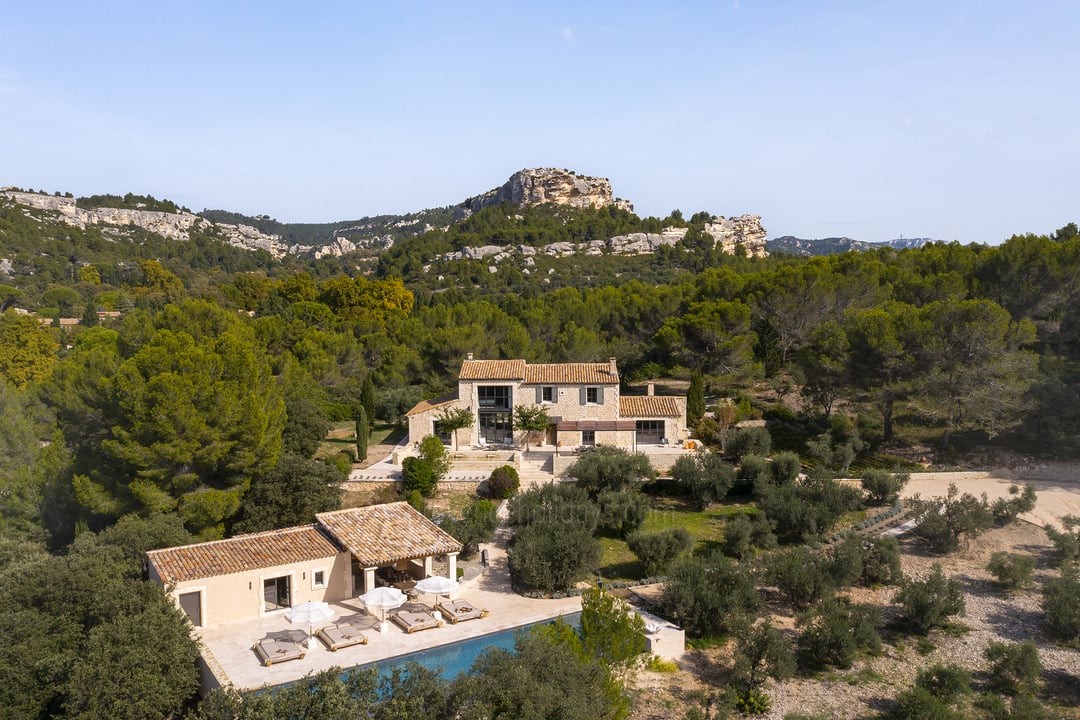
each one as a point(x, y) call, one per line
point(227, 649)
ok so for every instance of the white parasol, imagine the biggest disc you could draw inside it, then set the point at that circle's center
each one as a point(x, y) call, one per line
point(383, 598)
point(309, 612)
point(436, 585)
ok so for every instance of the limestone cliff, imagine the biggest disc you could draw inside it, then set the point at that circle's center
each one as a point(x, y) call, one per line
point(744, 230)
point(547, 185)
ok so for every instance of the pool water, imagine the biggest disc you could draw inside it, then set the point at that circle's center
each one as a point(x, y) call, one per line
point(457, 657)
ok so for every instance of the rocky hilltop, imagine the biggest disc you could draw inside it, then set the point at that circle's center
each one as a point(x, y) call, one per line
point(525, 187)
point(728, 235)
point(546, 185)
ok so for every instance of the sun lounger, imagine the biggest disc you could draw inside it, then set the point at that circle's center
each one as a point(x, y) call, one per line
point(412, 620)
point(272, 650)
point(457, 610)
point(341, 636)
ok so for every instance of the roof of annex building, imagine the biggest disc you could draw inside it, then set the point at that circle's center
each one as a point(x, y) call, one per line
point(242, 553)
point(382, 534)
point(651, 406)
point(433, 403)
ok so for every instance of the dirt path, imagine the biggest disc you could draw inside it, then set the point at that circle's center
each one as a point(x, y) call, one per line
point(1057, 488)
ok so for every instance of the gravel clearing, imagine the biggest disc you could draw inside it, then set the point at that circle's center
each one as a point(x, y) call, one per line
point(866, 689)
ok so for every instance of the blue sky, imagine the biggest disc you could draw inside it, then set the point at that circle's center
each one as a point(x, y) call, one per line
point(948, 119)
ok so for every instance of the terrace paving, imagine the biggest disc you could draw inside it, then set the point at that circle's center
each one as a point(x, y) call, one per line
point(227, 649)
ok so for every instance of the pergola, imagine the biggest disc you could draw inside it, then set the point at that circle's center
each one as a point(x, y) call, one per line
point(386, 535)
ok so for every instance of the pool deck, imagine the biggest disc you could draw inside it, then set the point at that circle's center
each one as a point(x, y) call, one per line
point(227, 648)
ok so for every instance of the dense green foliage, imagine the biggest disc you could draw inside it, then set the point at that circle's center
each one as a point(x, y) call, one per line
point(929, 602)
point(606, 468)
point(204, 402)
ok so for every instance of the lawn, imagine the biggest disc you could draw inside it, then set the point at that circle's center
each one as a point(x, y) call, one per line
point(342, 436)
point(617, 562)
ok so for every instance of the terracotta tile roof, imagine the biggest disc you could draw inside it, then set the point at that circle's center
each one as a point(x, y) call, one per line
point(382, 534)
point(651, 406)
point(242, 553)
point(571, 374)
point(432, 403)
point(492, 370)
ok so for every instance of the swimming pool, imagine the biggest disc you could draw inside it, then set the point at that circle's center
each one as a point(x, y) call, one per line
point(457, 657)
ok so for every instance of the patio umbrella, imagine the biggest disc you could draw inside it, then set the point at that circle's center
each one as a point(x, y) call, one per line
point(436, 585)
point(383, 598)
point(309, 612)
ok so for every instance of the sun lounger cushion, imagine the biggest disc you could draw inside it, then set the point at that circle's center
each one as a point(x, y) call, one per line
point(341, 636)
point(412, 620)
point(272, 651)
point(457, 610)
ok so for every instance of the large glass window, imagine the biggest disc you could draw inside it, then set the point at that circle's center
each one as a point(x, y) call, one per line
point(496, 428)
point(650, 432)
point(494, 397)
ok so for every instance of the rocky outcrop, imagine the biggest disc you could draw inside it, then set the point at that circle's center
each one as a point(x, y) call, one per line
point(745, 231)
point(546, 185)
point(632, 244)
point(173, 226)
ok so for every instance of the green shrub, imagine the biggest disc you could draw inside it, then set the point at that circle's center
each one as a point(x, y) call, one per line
point(801, 574)
point(945, 682)
point(835, 631)
point(622, 512)
point(920, 704)
point(552, 555)
point(1061, 611)
point(705, 477)
point(341, 461)
point(929, 602)
point(657, 550)
point(1021, 500)
point(883, 487)
point(785, 468)
point(881, 561)
point(752, 701)
point(417, 474)
point(708, 595)
point(845, 563)
point(503, 483)
point(740, 442)
point(1066, 540)
point(1014, 667)
point(611, 468)
point(1012, 571)
point(744, 532)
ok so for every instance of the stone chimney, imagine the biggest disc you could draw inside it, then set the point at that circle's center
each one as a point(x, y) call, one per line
point(469, 356)
point(612, 370)
point(650, 389)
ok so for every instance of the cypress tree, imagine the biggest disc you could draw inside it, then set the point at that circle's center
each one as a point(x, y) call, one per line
point(367, 399)
point(695, 399)
point(363, 429)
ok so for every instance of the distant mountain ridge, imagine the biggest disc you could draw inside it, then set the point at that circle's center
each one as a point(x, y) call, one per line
point(791, 245)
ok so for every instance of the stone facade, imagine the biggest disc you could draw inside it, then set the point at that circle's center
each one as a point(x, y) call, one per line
point(582, 400)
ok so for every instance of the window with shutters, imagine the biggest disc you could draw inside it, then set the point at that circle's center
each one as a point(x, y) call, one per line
point(592, 396)
point(547, 394)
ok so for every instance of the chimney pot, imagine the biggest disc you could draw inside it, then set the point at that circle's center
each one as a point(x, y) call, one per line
point(469, 356)
point(611, 366)
point(650, 389)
